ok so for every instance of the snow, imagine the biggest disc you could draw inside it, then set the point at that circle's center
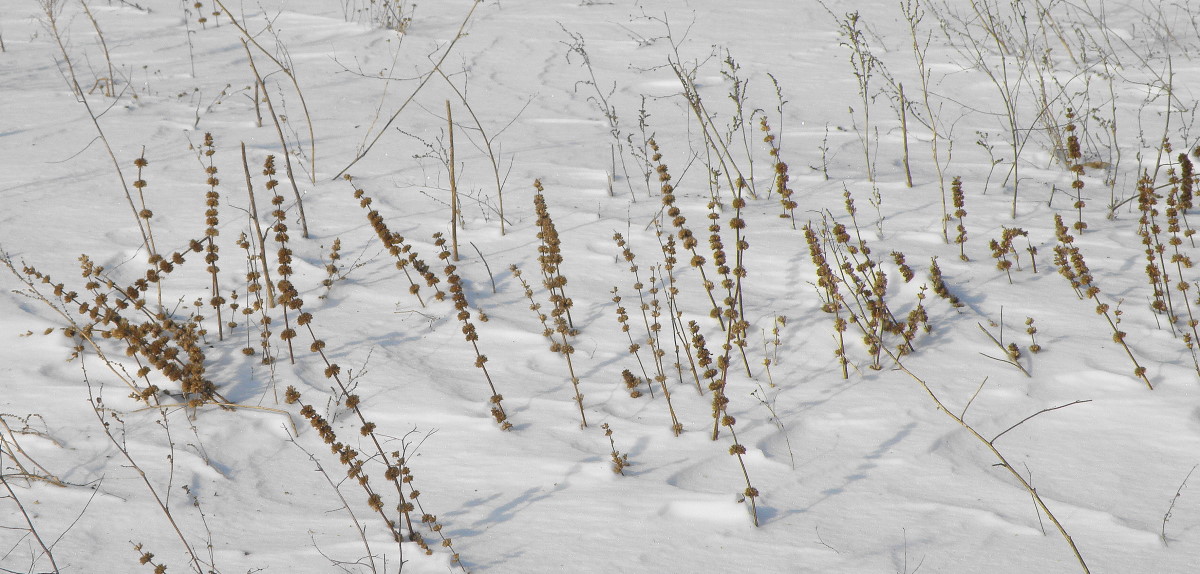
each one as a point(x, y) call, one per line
point(863, 474)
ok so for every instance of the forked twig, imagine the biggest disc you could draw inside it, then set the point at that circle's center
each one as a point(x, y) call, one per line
point(429, 75)
point(29, 523)
point(287, 156)
point(999, 456)
point(963, 414)
point(1009, 357)
point(1046, 410)
point(362, 531)
point(485, 265)
point(312, 138)
point(98, 408)
point(1171, 508)
point(46, 475)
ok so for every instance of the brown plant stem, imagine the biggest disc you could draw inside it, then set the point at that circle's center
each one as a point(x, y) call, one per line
point(1003, 462)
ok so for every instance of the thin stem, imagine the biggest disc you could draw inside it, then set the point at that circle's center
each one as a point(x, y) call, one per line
point(287, 156)
point(453, 187)
point(1003, 462)
point(437, 66)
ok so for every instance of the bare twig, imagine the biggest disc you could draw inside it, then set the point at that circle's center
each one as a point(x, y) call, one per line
point(295, 83)
point(52, 9)
point(259, 236)
point(28, 522)
point(963, 414)
point(1009, 358)
point(1003, 462)
point(362, 531)
point(485, 266)
point(1022, 421)
point(16, 449)
point(287, 156)
point(453, 187)
point(487, 144)
point(98, 409)
point(1171, 508)
point(424, 80)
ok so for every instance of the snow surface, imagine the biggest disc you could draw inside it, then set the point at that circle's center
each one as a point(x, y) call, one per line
point(856, 475)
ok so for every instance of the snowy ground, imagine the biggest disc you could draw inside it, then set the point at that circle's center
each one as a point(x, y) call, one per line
point(857, 474)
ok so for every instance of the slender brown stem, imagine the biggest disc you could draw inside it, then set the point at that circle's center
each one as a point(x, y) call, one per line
point(1010, 359)
point(312, 139)
point(97, 408)
point(1003, 462)
point(46, 475)
point(487, 144)
point(50, 7)
point(258, 232)
point(287, 156)
point(453, 187)
point(904, 132)
point(424, 80)
point(29, 522)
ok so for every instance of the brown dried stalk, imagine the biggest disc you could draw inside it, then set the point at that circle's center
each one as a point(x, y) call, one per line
point(558, 335)
point(459, 297)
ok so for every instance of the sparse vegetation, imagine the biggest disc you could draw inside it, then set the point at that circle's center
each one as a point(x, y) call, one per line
point(172, 332)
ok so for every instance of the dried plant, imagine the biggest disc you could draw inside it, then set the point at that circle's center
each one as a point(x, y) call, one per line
point(831, 297)
point(771, 347)
point(1012, 353)
point(212, 201)
point(671, 293)
point(686, 237)
point(559, 333)
point(635, 348)
point(550, 259)
point(1002, 461)
point(52, 10)
point(633, 383)
point(619, 461)
point(155, 341)
point(1075, 166)
point(730, 276)
point(716, 147)
point(865, 66)
point(396, 470)
point(780, 168)
point(10, 448)
point(1150, 231)
point(1187, 185)
point(331, 267)
point(287, 155)
point(914, 14)
point(1071, 265)
point(1034, 347)
point(1181, 261)
point(405, 255)
point(144, 212)
point(722, 418)
point(960, 212)
point(257, 304)
point(651, 309)
point(906, 272)
point(260, 237)
point(938, 281)
point(1003, 247)
point(463, 313)
point(288, 296)
point(866, 284)
point(717, 373)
